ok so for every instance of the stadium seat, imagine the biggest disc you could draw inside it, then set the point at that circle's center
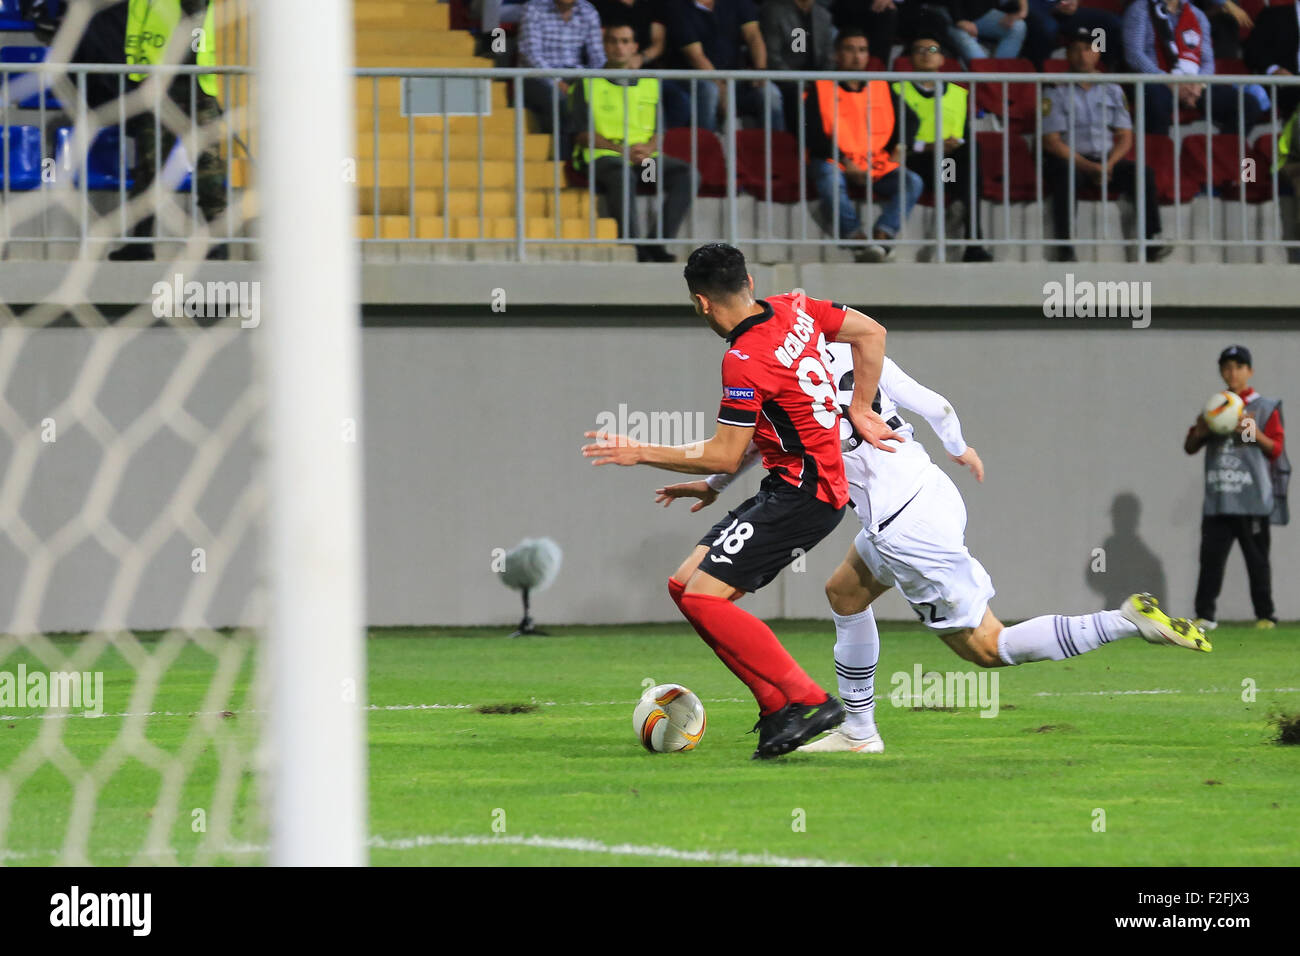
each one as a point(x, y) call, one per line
point(1218, 172)
point(1110, 6)
point(711, 165)
point(1012, 103)
point(1020, 183)
point(1160, 157)
point(751, 165)
point(25, 89)
point(24, 144)
point(104, 166)
point(1224, 66)
point(11, 16)
point(1056, 66)
point(1261, 190)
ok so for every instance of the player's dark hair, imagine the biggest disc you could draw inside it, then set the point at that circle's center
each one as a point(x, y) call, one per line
point(849, 32)
point(716, 271)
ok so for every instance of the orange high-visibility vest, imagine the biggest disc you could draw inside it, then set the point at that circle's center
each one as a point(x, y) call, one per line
point(866, 121)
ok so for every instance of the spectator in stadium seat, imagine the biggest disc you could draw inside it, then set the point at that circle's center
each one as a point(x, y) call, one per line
point(647, 21)
point(1287, 163)
point(867, 143)
point(1100, 133)
point(878, 19)
point(714, 35)
point(600, 103)
point(1227, 20)
point(999, 21)
point(799, 36)
point(1172, 36)
point(1273, 48)
point(557, 34)
point(492, 14)
point(918, 99)
point(1050, 20)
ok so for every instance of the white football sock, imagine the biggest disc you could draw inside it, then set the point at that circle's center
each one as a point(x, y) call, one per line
point(1054, 637)
point(857, 649)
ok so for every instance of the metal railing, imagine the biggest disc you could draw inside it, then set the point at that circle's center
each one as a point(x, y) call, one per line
point(393, 108)
point(732, 231)
point(68, 173)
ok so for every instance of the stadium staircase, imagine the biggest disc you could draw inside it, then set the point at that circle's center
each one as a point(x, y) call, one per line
point(478, 199)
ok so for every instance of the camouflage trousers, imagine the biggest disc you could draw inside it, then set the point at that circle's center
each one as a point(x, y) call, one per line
point(210, 170)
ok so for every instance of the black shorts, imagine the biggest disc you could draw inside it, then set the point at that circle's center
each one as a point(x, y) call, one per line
point(758, 538)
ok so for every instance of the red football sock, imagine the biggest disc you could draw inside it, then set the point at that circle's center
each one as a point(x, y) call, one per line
point(752, 644)
point(769, 698)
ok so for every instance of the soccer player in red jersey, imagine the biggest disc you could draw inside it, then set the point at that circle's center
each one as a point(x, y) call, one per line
point(776, 391)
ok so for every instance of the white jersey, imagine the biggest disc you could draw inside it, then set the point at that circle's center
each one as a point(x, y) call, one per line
point(923, 553)
point(885, 481)
point(882, 482)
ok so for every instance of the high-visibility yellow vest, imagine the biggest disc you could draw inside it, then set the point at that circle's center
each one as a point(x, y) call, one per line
point(866, 120)
point(954, 110)
point(1284, 140)
point(149, 27)
point(605, 100)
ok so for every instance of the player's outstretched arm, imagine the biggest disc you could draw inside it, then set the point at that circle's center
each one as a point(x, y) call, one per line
point(707, 490)
point(700, 489)
point(721, 453)
point(938, 413)
point(866, 339)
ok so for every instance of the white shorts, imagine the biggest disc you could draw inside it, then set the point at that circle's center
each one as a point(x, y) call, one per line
point(923, 553)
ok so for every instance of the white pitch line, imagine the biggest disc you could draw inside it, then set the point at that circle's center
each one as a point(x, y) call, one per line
point(573, 844)
point(582, 845)
point(617, 703)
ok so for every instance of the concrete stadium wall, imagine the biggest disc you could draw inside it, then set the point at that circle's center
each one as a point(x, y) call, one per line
point(471, 440)
point(1065, 421)
point(473, 420)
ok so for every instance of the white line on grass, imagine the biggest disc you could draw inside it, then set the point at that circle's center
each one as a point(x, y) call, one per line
point(617, 703)
point(574, 844)
point(582, 845)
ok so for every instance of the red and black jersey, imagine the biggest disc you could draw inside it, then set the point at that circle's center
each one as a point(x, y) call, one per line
point(773, 378)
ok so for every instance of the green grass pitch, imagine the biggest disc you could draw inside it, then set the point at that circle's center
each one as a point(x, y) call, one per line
point(1157, 744)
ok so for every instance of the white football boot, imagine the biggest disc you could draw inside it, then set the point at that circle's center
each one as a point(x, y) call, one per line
point(837, 741)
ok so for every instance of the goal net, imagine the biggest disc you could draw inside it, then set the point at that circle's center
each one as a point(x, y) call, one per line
point(181, 672)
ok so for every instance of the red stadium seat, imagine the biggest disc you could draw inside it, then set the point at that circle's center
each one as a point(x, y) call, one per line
point(1222, 171)
point(1261, 190)
point(751, 165)
point(1056, 66)
point(711, 165)
point(1016, 103)
point(1225, 66)
point(1019, 183)
point(1160, 157)
point(1111, 6)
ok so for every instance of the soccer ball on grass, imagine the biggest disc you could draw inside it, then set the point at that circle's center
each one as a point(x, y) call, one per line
point(669, 718)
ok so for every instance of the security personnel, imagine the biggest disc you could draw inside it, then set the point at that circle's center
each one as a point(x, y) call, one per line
point(175, 31)
point(918, 100)
point(1246, 476)
point(1089, 122)
point(627, 108)
point(852, 137)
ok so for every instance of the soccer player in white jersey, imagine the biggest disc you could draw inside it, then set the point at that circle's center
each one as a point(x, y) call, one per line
point(913, 538)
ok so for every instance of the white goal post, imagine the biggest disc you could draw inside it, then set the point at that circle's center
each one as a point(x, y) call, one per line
point(316, 662)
